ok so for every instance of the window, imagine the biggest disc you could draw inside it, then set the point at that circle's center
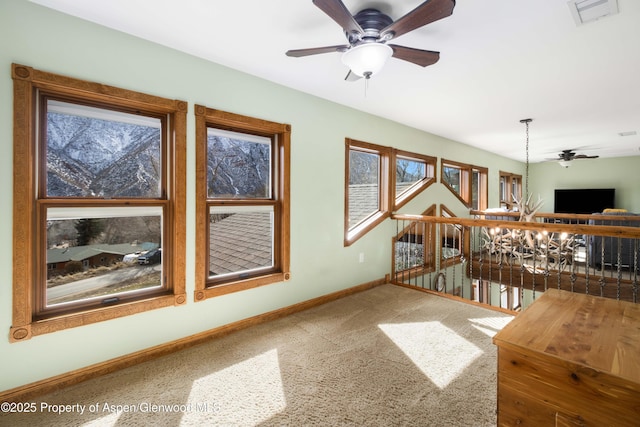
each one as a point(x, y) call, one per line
point(479, 188)
point(242, 202)
point(378, 180)
point(510, 189)
point(366, 187)
point(99, 184)
point(454, 177)
point(467, 182)
point(413, 174)
point(510, 297)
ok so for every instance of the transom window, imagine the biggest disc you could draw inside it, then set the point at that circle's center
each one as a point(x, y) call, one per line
point(92, 188)
point(242, 202)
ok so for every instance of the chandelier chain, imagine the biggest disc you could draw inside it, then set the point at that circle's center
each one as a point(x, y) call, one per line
point(526, 171)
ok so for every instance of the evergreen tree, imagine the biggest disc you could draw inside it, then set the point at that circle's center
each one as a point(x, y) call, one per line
point(88, 229)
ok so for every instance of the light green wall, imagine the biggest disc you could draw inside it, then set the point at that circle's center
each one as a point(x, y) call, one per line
point(320, 264)
point(623, 174)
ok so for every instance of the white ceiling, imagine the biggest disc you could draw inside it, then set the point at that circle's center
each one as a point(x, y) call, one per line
point(501, 61)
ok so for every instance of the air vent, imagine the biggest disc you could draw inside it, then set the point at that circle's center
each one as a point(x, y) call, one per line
point(585, 11)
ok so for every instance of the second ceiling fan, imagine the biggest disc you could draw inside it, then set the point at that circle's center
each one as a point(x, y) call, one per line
point(368, 32)
point(568, 155)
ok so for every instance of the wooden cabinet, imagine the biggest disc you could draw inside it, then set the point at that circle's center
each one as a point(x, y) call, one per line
point(570, 360)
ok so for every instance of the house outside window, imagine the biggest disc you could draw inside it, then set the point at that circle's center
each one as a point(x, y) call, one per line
point(242, 202)
point(98, 177)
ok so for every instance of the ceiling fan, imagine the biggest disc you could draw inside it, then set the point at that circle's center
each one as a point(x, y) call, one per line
point(368, 32)
point(568, 155)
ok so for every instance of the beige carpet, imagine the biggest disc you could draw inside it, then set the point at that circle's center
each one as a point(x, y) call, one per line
point(389, 356)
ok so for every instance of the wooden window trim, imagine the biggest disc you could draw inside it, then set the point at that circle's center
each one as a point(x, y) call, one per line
point(205, 117)
point(509, 177)
point(386, 193)
point(466, 182)
point(27, 81)
point(483, 190)
point(351, 235)
point(418, 187)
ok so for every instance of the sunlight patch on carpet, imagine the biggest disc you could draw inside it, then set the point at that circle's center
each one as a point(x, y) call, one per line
point(249, 392)
point(490, 325)
point(439, 352)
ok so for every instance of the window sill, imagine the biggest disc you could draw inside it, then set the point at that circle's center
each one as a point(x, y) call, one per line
point(239, 285)
point(59, 323)
point(364, 227)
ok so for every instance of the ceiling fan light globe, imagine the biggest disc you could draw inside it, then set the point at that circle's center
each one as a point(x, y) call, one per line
point(367, 59)
point(564, 163)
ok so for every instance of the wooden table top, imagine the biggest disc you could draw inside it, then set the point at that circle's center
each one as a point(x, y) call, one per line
point(599, 333)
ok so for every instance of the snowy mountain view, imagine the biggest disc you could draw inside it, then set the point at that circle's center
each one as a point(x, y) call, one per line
point(93, 152)
point(238, 168)
point(95, 157)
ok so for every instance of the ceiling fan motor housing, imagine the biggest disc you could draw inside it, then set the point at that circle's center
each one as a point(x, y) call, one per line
point(372, 22)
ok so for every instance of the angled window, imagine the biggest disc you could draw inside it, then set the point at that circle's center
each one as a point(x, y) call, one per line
point(99, 190)
point(378, 180)
point(467, 182)
point(454, 176)
point(242, 204)
point(366, 187)
point(413, 173)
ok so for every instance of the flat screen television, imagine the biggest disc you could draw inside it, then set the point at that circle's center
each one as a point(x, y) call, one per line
point(583, 201)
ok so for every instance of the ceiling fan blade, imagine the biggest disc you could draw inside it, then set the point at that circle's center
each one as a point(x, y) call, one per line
point(339, 13)
point(352, 77)
point(316, 50)
point(416, 56)
point(584, 156)
point(426, 13)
